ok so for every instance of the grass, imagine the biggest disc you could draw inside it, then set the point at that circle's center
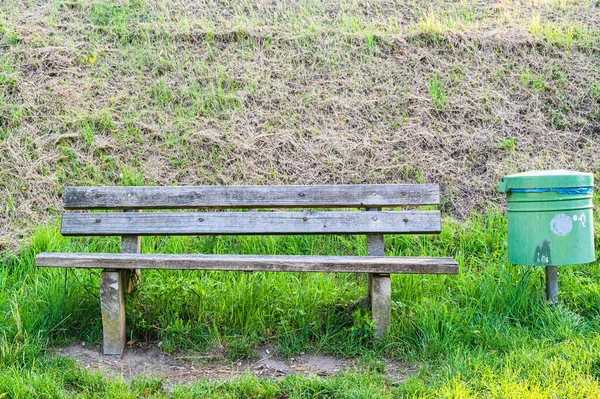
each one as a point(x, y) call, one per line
point(486, 332)
point(437, 92)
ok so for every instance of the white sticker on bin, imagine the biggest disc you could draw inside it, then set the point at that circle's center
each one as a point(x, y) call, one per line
point(561, 224)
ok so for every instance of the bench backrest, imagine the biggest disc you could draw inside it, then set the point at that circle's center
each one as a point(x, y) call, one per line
point(369, 220)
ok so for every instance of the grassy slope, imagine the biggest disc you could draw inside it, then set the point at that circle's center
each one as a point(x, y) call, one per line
point(163, 92)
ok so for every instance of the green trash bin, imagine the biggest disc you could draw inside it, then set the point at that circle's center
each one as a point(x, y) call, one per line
point(550, 219)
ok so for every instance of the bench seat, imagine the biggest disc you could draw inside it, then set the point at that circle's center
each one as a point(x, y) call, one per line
point(267, 263)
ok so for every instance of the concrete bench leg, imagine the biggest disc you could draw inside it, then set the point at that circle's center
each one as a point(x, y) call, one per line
point(113, 287)
point(112, 303)
point(380, 293)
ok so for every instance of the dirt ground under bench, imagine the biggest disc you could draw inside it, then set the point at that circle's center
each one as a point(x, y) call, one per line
point(187, 368)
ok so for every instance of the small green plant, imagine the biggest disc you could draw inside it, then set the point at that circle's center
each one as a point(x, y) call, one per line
point(146, 385)
point(509, 143)
point(563, 35)
point(240, 347)
point(437, 92)
point(88, 132)
point(130, 176)
point(372, 363)
point(362, 323)
point(176, 335)
point(431, 24)
point(8, 36)
point(557, 112)
point(595, 91)
point(536, 82)
point(370, 39)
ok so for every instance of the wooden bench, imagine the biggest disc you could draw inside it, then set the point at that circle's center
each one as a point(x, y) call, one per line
point(119, 270)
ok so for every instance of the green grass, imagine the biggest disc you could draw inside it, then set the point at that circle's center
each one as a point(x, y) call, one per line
point(486, 332)
point(437, 91)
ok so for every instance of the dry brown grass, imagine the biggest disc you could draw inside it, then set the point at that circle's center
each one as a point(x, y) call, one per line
point(291, 93)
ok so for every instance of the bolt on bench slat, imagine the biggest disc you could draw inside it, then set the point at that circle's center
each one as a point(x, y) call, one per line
point(269, 263)
point(203, 223)
point(333, 196)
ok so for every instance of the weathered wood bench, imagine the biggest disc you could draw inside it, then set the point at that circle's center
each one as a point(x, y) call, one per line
point(119, 270)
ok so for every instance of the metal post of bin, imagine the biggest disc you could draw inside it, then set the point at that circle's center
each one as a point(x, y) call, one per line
point(552, 285)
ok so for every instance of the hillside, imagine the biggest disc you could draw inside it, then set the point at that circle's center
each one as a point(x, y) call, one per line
point(171, 92)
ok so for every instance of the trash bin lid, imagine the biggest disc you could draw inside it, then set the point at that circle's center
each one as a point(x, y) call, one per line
point(543, 179)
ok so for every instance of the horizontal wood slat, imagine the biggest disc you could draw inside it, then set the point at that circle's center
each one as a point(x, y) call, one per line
point(330, 196)
point(351, 264)
point(208, 223)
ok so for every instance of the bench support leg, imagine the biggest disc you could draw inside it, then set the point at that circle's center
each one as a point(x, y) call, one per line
point(131, 245)
point(380, 292)
point(112, 303)
point(380, 288)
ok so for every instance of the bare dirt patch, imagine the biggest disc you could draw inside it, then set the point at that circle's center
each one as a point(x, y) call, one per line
point(188, 368)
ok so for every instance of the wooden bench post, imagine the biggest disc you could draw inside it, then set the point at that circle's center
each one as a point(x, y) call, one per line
point(380, 290)
point(131, 245)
